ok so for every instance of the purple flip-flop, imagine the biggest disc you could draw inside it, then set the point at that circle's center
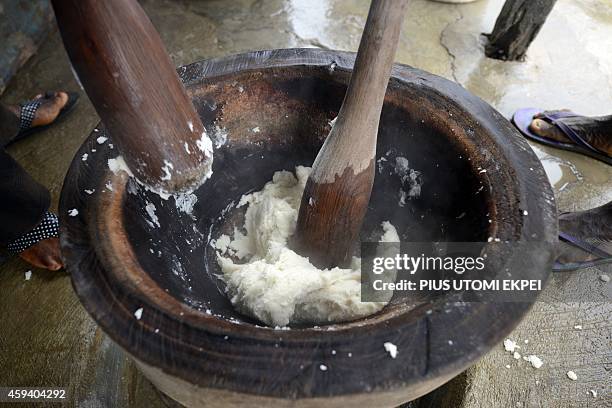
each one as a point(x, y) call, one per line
point(523, 118)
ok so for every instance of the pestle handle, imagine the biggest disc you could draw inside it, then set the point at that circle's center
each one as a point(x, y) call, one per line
point(338, 190)
point(128, 76)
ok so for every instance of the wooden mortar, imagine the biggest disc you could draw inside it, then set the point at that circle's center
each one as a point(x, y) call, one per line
point(274, 108)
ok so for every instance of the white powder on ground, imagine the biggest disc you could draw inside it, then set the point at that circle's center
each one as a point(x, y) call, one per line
point(536, 362)
point(275, 284)
point(510, 345)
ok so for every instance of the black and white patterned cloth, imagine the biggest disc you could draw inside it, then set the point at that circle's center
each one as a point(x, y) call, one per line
point(28, 113)
point(48, 228)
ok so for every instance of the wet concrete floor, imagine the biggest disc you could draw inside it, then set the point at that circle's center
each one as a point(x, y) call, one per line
point(48, 339)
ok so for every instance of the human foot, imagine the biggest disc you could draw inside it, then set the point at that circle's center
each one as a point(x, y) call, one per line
point(40, 246)
point(50, 106)
point(589, 136)
point(585, 238)
point(596, 131)
point(45, 255)
point(42, 111)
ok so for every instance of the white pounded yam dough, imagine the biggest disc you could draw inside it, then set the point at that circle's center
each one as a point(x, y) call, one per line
point(278, 286)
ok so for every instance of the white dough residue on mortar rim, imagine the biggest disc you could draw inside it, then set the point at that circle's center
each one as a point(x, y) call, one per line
point(184, 201)
point(274, 283)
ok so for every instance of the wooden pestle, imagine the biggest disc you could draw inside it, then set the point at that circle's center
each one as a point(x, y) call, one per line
point(338, 190)
point(128, 76)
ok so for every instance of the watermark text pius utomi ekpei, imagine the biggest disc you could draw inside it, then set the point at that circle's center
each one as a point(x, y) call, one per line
point(458, 265)
point(484, 272)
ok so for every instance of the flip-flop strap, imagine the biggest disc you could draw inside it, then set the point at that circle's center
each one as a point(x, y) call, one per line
point(572, 267)
point(553, 118)
point(27, 114)
point(47, 228)
point(585, 246)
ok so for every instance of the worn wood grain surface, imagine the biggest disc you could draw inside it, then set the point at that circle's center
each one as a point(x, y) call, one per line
point(338, 190)
point(127, 73)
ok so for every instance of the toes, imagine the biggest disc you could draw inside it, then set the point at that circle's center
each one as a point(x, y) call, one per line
point(52, 257)
point(540, 127)
point(49, 262)
point(58, 100)
point(544, 129)
point(63, 98)
point(54, 265)
point(50, 109)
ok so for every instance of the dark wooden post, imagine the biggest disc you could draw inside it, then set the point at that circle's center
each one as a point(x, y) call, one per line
point(129, 78)
point(517, 25)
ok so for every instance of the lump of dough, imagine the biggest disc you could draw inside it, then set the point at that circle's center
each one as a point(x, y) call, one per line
point(277, 285)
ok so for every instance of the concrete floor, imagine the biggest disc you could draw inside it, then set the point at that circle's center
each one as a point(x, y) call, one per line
point(23, 25)
point(48, 339)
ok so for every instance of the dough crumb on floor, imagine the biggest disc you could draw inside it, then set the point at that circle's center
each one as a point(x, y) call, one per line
point(273, 283)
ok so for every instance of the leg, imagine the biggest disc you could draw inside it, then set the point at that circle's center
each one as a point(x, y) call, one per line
point(23, 207)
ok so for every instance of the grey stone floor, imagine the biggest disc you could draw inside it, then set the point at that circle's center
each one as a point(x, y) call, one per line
point(48, 339)
point(23, 24)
